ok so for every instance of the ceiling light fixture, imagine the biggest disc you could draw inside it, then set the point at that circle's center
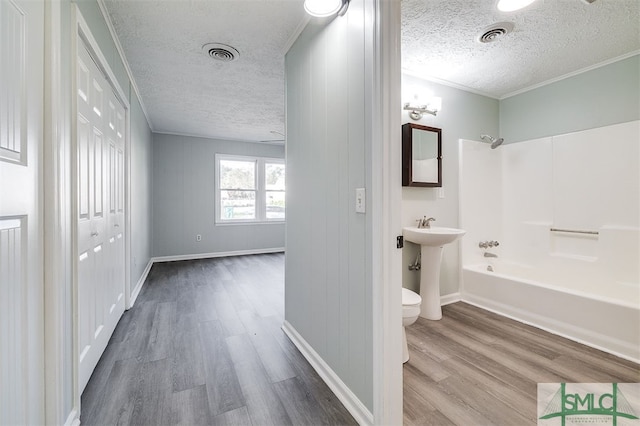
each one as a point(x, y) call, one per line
point(432, 107)
point(324, 8)
point(512, 5)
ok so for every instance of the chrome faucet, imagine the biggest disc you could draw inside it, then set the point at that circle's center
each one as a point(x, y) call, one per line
point(487, 254)
point(425, 223)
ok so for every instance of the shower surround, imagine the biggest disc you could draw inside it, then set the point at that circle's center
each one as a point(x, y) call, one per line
point(531, 197)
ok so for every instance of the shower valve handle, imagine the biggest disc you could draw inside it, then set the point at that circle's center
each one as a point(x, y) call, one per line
point(487, 244)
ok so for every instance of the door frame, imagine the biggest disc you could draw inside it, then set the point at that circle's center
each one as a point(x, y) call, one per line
point(82, 34)
point(386, 216)
point(57, 222)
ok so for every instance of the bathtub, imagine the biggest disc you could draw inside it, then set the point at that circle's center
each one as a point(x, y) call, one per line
point(519, 292)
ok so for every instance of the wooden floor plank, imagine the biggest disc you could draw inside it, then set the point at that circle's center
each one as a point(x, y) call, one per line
point(153, 402)
point(187, 366)
point(223, 388)
point(492, 408)
point(263, 404)
point(452, 406)
point(522, 403)
point(300, 404)
point(190, 407)
point(237, 417)
point(135, 338)
point(271, 355)
point(115, 404)
point(160, 344)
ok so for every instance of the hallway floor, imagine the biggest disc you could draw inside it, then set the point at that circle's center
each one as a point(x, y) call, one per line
point(474, 367)
point(203, 346)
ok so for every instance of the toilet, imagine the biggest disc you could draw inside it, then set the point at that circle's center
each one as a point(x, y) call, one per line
point(410, 311)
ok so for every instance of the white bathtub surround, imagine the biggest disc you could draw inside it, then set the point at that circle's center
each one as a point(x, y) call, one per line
point(584, 286)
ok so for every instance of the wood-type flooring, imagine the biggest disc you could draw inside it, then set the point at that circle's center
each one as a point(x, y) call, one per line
point(203, 346)
point(474, 367)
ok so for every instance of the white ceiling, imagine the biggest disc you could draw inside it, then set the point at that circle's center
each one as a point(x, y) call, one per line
point(551, 38)
point(185, 91)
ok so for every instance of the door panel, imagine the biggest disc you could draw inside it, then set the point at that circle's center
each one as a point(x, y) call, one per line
point(100, 261)
point(21, 231)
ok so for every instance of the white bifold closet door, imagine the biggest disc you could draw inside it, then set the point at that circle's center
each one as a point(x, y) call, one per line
point(100, 198)
point(21, 230)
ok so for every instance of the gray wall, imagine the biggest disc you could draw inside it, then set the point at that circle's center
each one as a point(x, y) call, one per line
point(464, 115)
point(327, 293)
point(184, 196)
point(600, 97)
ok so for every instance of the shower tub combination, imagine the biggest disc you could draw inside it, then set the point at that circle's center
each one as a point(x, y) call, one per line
point(511, 290)
point(566, 214)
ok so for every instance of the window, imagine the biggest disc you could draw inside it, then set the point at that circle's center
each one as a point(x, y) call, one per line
point(249, 189)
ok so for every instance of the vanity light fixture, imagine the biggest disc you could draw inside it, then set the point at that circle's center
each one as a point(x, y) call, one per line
point(324, 8)
point(432, 107)
point(512, 5)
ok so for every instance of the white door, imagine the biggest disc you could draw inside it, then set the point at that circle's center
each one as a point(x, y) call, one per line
point(114, 157)
point(21, 231)
point(100, 225)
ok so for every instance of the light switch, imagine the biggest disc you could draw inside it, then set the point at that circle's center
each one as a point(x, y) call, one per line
point(360, 200)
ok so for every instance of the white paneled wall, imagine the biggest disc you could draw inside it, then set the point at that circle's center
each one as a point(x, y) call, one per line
point(586, 181)
point(328, 298)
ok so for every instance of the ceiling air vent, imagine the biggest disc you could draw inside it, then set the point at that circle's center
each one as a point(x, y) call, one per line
point(221, 52)
point(494, 31)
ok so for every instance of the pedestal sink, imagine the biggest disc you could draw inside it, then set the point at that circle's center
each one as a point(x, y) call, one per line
point(432, 241)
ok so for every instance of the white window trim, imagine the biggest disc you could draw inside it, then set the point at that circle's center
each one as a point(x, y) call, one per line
point(260, 185)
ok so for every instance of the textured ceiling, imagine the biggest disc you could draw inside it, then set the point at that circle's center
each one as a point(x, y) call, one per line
point(185, 91)
point(551, 38)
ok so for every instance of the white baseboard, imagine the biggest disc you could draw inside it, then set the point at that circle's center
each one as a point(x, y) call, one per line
point(139, 284)
point(217, 254)
point(447, 299)
point(73, 419)
point(351, 402)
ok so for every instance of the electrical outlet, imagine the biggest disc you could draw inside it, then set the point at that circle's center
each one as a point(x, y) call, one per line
point(198, 237)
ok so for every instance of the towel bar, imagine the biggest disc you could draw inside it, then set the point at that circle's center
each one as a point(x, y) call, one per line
point(574, 231)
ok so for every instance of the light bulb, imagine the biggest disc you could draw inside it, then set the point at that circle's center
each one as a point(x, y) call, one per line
point(322, 8)
point(513, 5)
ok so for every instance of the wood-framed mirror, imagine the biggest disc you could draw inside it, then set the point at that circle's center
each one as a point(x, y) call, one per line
point(421, 155)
